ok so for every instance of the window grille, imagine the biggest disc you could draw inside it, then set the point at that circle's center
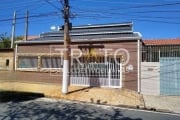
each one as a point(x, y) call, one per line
point(52, 62)
point(27, 62)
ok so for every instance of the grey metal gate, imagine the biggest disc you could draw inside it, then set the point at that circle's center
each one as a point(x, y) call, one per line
point(94, 71)
point(170, 75)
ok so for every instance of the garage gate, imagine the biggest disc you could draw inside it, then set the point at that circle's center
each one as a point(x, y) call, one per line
point(170, 75)
point(96, 71)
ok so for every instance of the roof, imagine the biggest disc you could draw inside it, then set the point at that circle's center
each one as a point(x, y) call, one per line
point(175, 41)
point(103, 25)
point(91, 33)
point(28, 38)
point(32, 37)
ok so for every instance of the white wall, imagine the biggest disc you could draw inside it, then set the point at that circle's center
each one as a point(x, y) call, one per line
point(150, 78)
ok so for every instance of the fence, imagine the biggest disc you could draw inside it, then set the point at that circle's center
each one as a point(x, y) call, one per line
point(152, 53)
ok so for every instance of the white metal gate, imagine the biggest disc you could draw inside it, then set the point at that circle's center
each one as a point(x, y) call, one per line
point(94, 71)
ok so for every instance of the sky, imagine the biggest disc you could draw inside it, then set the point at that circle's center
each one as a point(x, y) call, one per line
point(154, 19)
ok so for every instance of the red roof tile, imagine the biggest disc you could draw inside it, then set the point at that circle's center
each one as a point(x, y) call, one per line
point(162, 42)
point(31, 37)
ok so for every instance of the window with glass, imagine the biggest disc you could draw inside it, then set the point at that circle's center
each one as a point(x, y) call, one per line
point(51, 62)
point(27, 62)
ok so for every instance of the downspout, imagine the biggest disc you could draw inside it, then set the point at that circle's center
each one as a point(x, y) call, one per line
point(159, 55)
point(138, 66)
point(15, 58)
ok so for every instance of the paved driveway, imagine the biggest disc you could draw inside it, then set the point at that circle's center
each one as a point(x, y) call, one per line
point(170, 103)
point(51, 109)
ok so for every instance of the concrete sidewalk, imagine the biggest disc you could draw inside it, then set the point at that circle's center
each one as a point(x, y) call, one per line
point(108, 96)
point(164, 103)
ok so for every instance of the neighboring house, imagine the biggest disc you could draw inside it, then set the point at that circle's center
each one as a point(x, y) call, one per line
point(41, 59)
point(160, 67)
point(153, 49)
point(30, 37)
point(7, 54)
point(6, 59)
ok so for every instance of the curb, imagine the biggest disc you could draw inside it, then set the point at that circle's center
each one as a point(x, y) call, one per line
point(127, 107)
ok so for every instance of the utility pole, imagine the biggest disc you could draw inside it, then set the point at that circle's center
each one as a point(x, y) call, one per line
point(13, 30)
point(66, 63)
point(26, 25)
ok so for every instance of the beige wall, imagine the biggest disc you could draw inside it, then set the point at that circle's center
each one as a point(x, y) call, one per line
point(4, 56)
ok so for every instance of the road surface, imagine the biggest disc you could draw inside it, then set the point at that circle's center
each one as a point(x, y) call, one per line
point(51, 109)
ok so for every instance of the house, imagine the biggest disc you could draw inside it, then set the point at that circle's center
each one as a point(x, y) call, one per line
point(6, 59)
point(155, 48)
point(30, 37)
point(160, 67)
point(106, 55)
point(7, 53)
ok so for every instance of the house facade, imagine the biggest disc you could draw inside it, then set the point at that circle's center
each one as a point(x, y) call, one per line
point(156, 48)
point(7, 59)
point(160, 67)
point(101, 55)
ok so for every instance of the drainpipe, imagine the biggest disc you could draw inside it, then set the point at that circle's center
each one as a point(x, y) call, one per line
point(15, 58)
point(138, 65)
point(159, 55)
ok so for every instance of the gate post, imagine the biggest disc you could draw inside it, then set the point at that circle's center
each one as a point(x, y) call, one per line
point(120, 75)
point(109, 76)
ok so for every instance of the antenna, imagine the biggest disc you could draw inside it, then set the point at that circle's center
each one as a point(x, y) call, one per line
point(53, 28)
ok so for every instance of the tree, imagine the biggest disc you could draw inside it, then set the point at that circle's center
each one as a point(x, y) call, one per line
point(5, 41)
point(19, 38)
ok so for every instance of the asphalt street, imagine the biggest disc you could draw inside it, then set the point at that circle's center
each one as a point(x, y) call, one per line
point(52, 109)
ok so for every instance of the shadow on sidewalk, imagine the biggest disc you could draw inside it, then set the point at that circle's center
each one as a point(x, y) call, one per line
point(7, 96)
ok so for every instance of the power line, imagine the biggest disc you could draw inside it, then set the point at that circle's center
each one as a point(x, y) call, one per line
point(130, 18)
point(61, 2)
point(127, 12)
point(132, 7)
point(119, 2)
point(31, 6)
point(52, 5)
point(96, 14)
point(157, 21)
point(33, 16)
